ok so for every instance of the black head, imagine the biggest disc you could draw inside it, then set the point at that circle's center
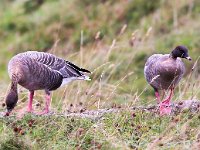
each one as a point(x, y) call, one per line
point(180, 51)
point(11, 100)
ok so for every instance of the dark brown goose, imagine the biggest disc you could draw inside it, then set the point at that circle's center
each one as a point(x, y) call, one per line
point(40, 71)
point(163, 72)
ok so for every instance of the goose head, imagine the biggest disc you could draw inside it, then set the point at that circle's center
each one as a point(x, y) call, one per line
point(182, 52)
point(11, 100)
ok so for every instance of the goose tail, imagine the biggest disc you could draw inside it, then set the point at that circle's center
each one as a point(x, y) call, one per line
point(77, 68)
point(84, 70)
point(87, 78)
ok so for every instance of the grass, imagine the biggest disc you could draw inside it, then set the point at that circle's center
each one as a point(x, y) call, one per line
point(124, 130)
point(114, 47)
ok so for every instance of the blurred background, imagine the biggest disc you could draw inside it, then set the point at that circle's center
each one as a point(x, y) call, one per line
point(111, 38)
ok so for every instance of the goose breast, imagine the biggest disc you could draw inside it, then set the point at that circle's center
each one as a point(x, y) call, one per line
point(163, 72)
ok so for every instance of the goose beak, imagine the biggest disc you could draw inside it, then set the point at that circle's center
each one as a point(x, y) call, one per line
point(7, 113)
point(188, 58)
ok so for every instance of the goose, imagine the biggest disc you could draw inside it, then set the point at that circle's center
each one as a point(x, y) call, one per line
point(35, 70)
point(163, 72)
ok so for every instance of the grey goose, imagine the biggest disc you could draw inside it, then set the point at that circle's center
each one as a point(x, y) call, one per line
point(163, 72)
point(39, 71)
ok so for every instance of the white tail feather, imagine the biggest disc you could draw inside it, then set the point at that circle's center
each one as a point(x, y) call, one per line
point(86, 78)
point(68, 80)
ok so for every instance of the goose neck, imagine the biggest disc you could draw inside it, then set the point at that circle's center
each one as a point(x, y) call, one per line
point(172, 56)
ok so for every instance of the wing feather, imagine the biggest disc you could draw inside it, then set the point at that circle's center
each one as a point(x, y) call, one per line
point(66, 68)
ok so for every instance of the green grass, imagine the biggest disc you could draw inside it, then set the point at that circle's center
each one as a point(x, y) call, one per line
point(129, 32)
point(124, 130)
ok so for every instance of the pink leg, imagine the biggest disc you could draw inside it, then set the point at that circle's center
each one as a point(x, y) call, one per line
point(165, 107)
point(48, 100)
point(167, 101)
point(31, 95)
point(29, 108)
point(157, 96)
